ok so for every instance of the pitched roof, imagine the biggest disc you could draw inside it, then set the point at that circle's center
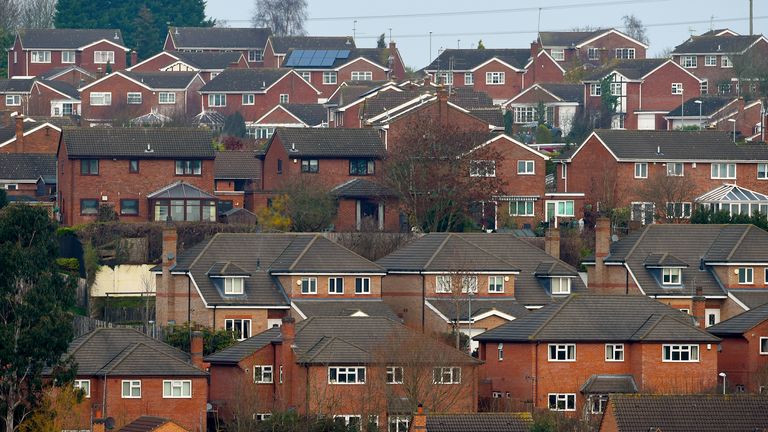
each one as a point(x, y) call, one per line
point(313, 58)
point(237, 165)
point(55, 72)
point(361, 188)
point(750, 297)
point(344, 307)
point(310, 114)
point(239, 351)
point(127, 352)
point(634, 69)
point(180, 190)
point(330, 142)
point(163, 80)
point(709, 105)
point(467, 59)
point(62, 87)
point(450, 308)
point(16, 85)
point(589, 317)
point(219, 37)
point(567, 38)
point(741, 323)
point(726, 44)
point(144, 424)
point(732, 193)
point(140, 143)
point(208, 60)
point(244, 80)
point(479, 422)
point(350, 91)
point(566, 92)
point(606, 384)
point(282, 44)
point(682, 413)
point(27, 166)
point(67, 38)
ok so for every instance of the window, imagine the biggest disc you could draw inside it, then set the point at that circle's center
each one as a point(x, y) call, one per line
point(674, 169)
point(562, 352)
point(500, 350)
point(723, 171)
point(362, 76)
point(129, 207)
point(240, 328)
point(562, 402)
point(614, 352)
point(346, 375)
point(309, 285)
point(85, 386)
point(595, 89)
point(279, 166)
point(133, 166)
point(688, 61)
point(259, 417)
point(521, 208)
point(680, 353)
point(89, 167)
point(495, 284)
point(167, 98)
point(444, 78)
point(263, 374)
point(394, 375)
point(329, 78)
point(134, 98)
point(446, 375)
point(494, 78)
point(617, 89)
point(67, 56)
point(625, 53)
point(100, 98)
point(352, 422)
point(217, 100)
point(284, 98)
point(173, 389)
point(309, 165)
point(13, 100)
point(558, 54)
point(764, 345)
point(255, 55)
point(762, 171)
point(362, 285)
point(726, 62)
point(670, 276)
point(525, 114)
point(89, 206)
point(560, 208)
point(677, 88)
point(710, 60)
point(482, 168)
point(469, 78)
point(41, 57)
point(561, 285)
point(525, 167)
point(306, 75)
point(362, 167)
point(131, 389)
point(641, 170)
point(597, 403)
point(724, 88)
point(399, 423)
point(189, 167)
point(11, 186)
point(249, 98)
point(593, 53)
point(261, 133)
point(336, 285)
point(281, 374)
point(233, 285)
point(104, 57)
point(680, 210)
point(469, 284)
point(443, 284)
point(746, 275)
point(704, 86)
point(643, 212)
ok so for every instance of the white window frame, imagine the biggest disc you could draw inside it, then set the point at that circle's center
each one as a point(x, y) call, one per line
point(70, 55)
point(482, 168)
point(524, 114)
point(685, 209)
point(248, 99)
point(710, 60)
point(526, 167)
point(15, 100)
point(443, 284)
point(500, 351)
point(98, 57)
point(255, 55)
point(398, 423)
point(469, 78)
point(306, 75)
point(689, 62)
point(593, 53)
point(468, 284)
point(105, 96)
point(704, 86)
point(677, 88)
point(674, 172)
point(330, 77)
point(558, 54)
point(597, 400)
point(347, 371)
point(84, 385)
point(361, 76)
point(763, 345)
point(132, 385)
point(641, 170)
point(217, 100)
point(563, 285)
point(568, 351)
point(40, 56)
point(136, 96)
point(11, 186)
point(285, 98)
point(746, 275)
point(764, 173)
point(170, 98)
point(726, 62)
point(668, 351)
point(394, 375)
point(444, 78)
point(446, 375)
point(259, 417)
point(335, 285)
point(495, 78)
point(595, 89)
point(668, 275)
point(233, 285)
point(612, 351)
point(493, 284)
point(177, 384)
point(245, 326)
point(718, 168)
point(364, 285)
point(625, 53)
point(568, 400)
point(527, 210)
point(263, 374)
point(561, 208)
point(311, 285)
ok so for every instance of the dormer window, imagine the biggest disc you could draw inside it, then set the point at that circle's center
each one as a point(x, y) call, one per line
point(561, 285)
point(233, 285)
point(671, 275)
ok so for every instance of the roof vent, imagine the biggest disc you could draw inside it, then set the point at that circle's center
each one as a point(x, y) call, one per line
point(293, 148)
point(718, 47)
point(263, 84)
point(116, 36)
point(149, 149)
point(258, 263)
point(658, 150)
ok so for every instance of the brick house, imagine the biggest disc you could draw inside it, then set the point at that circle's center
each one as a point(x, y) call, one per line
point(37, 51)
point(355, 369)
point(128, 96)
point(29, 136)
point(718, 58)
point(481, 422)
point(72, 75)
point(561, 101)
point(712, 272)
point(207, 63)
point(249, 42)
point(647, 89)
point(288, 115)
point(277, 47)
point(720, 113)
point(125, 374)
point(505, 275)
point(573, 49)
point(28, 177)
point(237, 176)
point(568, 356)
point(743, 355)
point(143, 173)
point(351, 92)
point(36, 97)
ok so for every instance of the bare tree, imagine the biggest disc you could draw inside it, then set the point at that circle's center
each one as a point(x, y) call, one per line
point(10, 15)
point(634, 28)
point(38, 13)
point(669, 195)
point(284, 17)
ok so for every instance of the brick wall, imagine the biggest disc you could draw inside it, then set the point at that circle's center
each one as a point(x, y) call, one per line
point(44, 140)
point(293, 288)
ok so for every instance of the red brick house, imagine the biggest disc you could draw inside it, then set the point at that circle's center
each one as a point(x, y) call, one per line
point(207, 63)
point(72, 75)
point(36, 97)
point(347, 368)
point(29, 136)
point(249, 42)
point(568, 356)
point(288, 115)
point(143, 173)
point(573, 49)
point(37, 51)
point(562, 102)
point(647, 89)
point(720, 113)
point(28, 177)
point(125, 374)
point(128, 97)
point(743, 355)
point(237, 176)
point(277, 47)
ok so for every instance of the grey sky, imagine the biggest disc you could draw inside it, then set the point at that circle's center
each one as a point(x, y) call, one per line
point(668, 21)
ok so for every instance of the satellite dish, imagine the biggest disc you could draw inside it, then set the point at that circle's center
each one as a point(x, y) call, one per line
point(614, 238)
point(109, 423)
point(208, 407)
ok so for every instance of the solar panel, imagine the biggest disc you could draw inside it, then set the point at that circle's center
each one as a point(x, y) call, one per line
point(317, 58)
point(294, 57)
point(342, 54)
point(305, 60)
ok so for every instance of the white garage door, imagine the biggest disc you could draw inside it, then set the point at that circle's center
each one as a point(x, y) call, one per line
point(646, 121)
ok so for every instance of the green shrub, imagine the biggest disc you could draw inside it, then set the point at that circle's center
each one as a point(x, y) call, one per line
point(68, 265)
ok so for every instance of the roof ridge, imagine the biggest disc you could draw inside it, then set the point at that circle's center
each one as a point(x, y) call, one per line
point(738, 243)
point(88, 337)
point(303, 252)
point(439, 248)
point(552, 316)
point(634, 246)
point(124, 353)
point(201, 253)
point(649, 330)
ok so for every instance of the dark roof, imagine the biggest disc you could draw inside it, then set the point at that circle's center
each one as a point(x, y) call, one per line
point(293, 58)
point(237, 165)
point(588, 317)
point(554, 268)
point(664, 260)
point(350, 91)
point(725, 44)
point(684, 413)
point(62, 87)
point(310, 114)
point(751, 297)
point(67, 38)
point(163, 143)
point(244, 80)
point(239, 351)
point(566, 92)
point(180, 190)
point(27, 166)
point(468, 98)
point(330, 142)
point(361, 188)
point(741, 323)
point(634, 69)
point(344, 307)
point(709, 105)
point(492, 116)
point(480, 306)
point(606, 384)
point(61, 70)
point(466, 59)
point(208, 60)
point(9, 132)
point(219, 37)
point(127, 352)
point(16, 85)
point(479, 422)
point(144, 424)
point(282, 44)
point(162, 80)
point(567, 38)
point(226, 268)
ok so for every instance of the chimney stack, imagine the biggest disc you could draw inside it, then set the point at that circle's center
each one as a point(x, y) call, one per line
point(196, 349)
point(288, 333)
point(699, 306)
point(170, 238)
point(552, 242)
point(442, 104)
point(134, 58)
point(602, 249)
point(20, 133)
point(419, 423)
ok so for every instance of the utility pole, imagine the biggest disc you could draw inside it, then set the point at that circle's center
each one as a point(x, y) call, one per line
point(751, 17)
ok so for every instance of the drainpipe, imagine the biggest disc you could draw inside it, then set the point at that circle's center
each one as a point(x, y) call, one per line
point(104, 397)
point(423, 302)
point(535, 376)
point(626, 280)
point(214, 317)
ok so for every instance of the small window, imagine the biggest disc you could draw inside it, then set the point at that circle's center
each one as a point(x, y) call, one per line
point(561, 285)
point(361, 167)
point(11, 186)
point(67, 56)
point(41, 57)
point(677, 88)
point(562, 402)
point(674, 169)
point(595, 89)
point(468, 284)
point(482, 168)
point(310, 165)
point(614, 352)
point(444, 78)
point(249, 99)
point(279, 166)
point(641, 170)
point(494, 78)
point(679, 210)
point(562, 352)
point(336, 285)
point(593, 53)
point(306, 75)
point(443, 284)
point(399, 423)
point(469, 79)
point(284, 98)
point(329, 78)
point(167, 98)
point(680, 353)
point(746, 275)
point(726, 62)
point(189, 167)
point(233, 285)
point(280, 373)
point(671, 276)
point(129, 207)
point(625, 53)
point(309, 285)
point(762, 171)
point(500, 350)
point(704, 86)
point(346, 375)
point(394, 375)
point(362, 285)
point(176, 389)
point(597, 403)
point(446, 375)
point(521, 208)
point(89, 206)
point(134, 98)
point(217, 100)
point(688, 61)
point(240, 328)
point(525, 167)
point(131, 389)
point(12, 100)
point(558, 54)
point(361, 76)
point(100, 99)
point(256, 55)
point(133, 166)
point(85, 386)
point(764, 346)
point(495, 284)
point(89, 167)
point(263, 374)
point(724, 171)
point(710, 60)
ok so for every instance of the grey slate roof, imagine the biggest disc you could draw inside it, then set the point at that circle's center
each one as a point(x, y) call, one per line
point(480, 306)
point(567, 38)
point(634, 69)
point(226, 268)
point(237, 165)
point(208, 60)
point(27, 166)
point(588, 317)
point(163, 80)
point(466, 59)
point(378, 56)
point(709, 105)
point(219, 37)
point(52, 73)
point(664, 260)
point(67, 38)
point(479, 422)
point(751, 298)
point(741, 323)
point(492, 116)
point(606, 384)
point(685, 413)
point(566, 92)
point(9, 132)
point(180, 190)
point(282, 44)
point(244, 80)
point(725, 44)
point(350, 91)
point(62, 87)
point(127, 352)
point(344, 307)
point(144, 424)
point(361, 188)
point(310, 114)
point(330, 142)
point(16, 85)
point(239, 351)
point(163, 143)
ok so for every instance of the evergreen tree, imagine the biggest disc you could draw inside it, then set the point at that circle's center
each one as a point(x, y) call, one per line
point(234, 125)
point(480, 44)
point(381, 43)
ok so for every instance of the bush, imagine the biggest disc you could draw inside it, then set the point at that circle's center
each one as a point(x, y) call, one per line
point(69, 265)
point(213, 340)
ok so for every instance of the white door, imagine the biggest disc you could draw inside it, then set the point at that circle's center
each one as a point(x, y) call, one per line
point(713, 317)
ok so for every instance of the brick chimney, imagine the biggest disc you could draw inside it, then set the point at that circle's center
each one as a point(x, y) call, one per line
point(134, 58)
point(535, 48)
point(288, 361)
point(442, 101)
point(196, 349)
point(170, 237)
point(419, 422)
point(552, 242)
point(602, 249)
point(20, 133)
point(427, 81)
point(699, 305)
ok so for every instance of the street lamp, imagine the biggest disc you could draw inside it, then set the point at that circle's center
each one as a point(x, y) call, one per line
point(722, 374)
point(734, 128)
point(470, 293)
point(699, 103)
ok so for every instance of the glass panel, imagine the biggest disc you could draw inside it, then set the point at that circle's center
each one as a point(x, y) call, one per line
point(177, 210)
point(193, 210)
